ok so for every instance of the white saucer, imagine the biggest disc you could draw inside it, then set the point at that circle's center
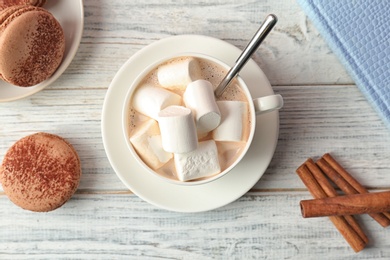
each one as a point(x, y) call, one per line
point(178, 197)
point(70, 15)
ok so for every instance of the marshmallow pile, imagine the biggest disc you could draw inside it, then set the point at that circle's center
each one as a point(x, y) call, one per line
point(177, 122)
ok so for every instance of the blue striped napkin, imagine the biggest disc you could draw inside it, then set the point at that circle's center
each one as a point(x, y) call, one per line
point(358, 32)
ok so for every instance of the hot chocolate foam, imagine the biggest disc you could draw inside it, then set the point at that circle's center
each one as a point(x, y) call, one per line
point(228, 152)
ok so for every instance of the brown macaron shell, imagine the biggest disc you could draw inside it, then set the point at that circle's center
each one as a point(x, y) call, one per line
point(5, 14)
point(32, 45)
point(7, 3)
point(40, 172)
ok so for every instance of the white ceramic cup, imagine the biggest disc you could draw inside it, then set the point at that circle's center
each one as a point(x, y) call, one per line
point(258, 106)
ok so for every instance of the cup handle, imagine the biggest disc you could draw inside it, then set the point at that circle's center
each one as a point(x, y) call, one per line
point(267, 103)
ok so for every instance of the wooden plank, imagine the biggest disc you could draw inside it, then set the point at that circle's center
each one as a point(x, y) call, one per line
point(314, 120)
point(293, 54)
point(125, 227)
point(335, 119)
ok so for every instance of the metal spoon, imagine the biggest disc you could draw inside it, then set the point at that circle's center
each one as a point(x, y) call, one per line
point(254, 43)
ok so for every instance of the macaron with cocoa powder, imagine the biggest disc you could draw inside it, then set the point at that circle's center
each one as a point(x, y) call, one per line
point(7, 3)
point(32, 45)
point(40, 172)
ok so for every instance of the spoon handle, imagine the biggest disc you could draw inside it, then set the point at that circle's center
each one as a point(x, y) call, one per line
point(252, 46)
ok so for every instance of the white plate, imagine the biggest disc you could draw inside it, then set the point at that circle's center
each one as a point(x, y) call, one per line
point(178, 197)
point(70, 15)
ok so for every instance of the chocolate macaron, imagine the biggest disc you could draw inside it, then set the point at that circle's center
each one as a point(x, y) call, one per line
point(32, 45)
point(40, 172)
point(7, 3)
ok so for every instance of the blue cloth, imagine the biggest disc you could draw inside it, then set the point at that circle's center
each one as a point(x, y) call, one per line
point(358, 32)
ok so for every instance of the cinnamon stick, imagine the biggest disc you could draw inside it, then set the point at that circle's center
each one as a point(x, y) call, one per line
point(331, 192)
point(346, 176)
point(346, 205)
point(350, 235)
point(347, 183)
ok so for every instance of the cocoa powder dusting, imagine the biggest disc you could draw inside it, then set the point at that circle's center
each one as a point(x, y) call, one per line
point(46, 49)
point(40, 170)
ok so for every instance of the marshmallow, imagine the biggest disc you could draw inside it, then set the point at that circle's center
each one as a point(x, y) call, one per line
point(178, 74)
point(150, 100)
point(178, 131)
point(233, 116)
point(147, 142)
point(199, 163)
point(199, 97)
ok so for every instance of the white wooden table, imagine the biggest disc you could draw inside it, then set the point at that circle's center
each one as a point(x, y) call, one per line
point(324, 112)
